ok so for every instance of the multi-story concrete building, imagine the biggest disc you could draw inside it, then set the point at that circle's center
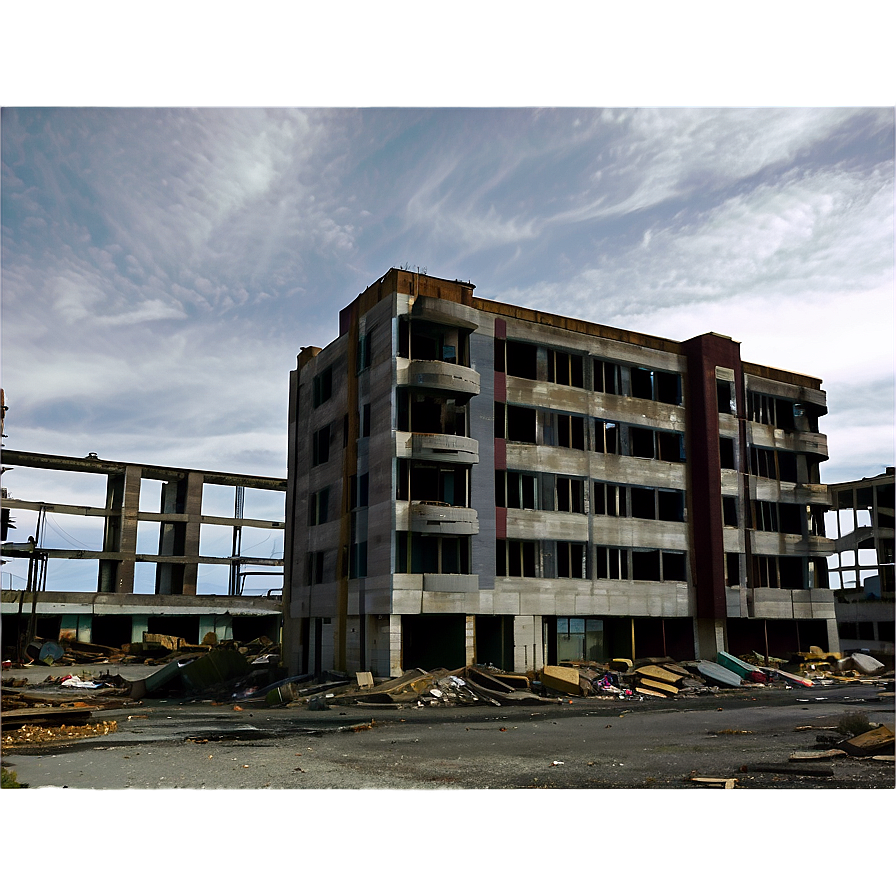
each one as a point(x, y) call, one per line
point(861, 569)
point(472, 481)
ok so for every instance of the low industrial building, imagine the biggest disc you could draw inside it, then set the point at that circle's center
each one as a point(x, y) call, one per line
point(471, 481)
point(861, 569)
point(151, 587)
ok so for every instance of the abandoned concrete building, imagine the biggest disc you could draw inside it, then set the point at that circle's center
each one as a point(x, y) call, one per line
point(861, 569)
point(470, 481)
point(149, 539)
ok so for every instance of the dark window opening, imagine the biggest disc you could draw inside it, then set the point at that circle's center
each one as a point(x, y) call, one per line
point(725, 397)
point(320, 446)
point(642, 383)
point(570, 560)
point(606, 437)
point(793, 572)
point(674, 566)
point(431, 554)
point(643, 503)
point(365, 421)
point(646, 565)
point(670, 505)
point(611, 563)
point(732, 570)
point(314, 568)
point(322, 387)
point(570, 431)
point(729, 511)
point(522, 360)
point(787, 466)
point(668, 387)
point(641, 442)
point(565, 369)
point(358, 563)
point(670, 446)
point(727, 459)
point(790, 518)
point(609, 500)
point(607, 378)
point(521, 424)
point(319, 507)
point(570, 495)
point(515, 558)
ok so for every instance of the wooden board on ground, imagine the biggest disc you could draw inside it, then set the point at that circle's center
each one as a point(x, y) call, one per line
point(659, 673)
point(650, 692)
point(657, 685)
point(724, 783)
point(812, 755)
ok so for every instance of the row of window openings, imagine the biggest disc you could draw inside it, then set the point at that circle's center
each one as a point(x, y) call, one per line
point(766, 463)
point(532, 362)
point(521, 491)
point(517, 423)
point(420, 555)
point(569, 560)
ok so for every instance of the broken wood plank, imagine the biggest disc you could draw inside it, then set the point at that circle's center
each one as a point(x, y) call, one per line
point(876, 741)
point(658, 673)
point(657, 685)
point(811, 755)
point(649, 692)
point(561, 678)
point(724, 783)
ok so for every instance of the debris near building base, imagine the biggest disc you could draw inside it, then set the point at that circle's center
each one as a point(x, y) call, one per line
point(722, 783)
point(38, 734)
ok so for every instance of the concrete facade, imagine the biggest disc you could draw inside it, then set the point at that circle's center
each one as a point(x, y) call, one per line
point(474, 481)
point(116, 611)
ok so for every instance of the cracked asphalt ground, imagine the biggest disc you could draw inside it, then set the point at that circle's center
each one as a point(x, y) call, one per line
point(588, 743)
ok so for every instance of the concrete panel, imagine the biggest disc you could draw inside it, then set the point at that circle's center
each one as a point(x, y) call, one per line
point(443, 602)
point(407, 603)
point(505, 600)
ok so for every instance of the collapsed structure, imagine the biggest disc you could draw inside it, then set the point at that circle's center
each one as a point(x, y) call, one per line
point(475, 482)
point(155, 534)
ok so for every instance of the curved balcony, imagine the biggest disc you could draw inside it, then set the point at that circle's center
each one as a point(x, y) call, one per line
point(437, 446)
point(438, 376)
point(433, 518)
point(452, 314)
point(766, 436)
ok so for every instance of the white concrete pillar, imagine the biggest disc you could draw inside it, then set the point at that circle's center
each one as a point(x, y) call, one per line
point(470, 641)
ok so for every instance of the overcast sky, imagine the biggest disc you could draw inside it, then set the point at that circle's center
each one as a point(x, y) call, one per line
point(162, 267)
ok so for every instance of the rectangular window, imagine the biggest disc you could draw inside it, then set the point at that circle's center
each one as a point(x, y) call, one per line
point(421, 554)
point(522, 360)
point(322, 387)
point(365, 421)
point(318, 507)
point(570, 431)
point(609, 499)
point(643, 503)
point(320, 446)
point(607, 378)
point(515, 490)
point(606, 437)
point(314, 568)
point(725, 397)
point(358, 564)
point(565, 369)
point(570, 495)
point(674, 566)
point(571, 560)
point(516, 558)
point(365, 350)
point(521, 424)
point(646, 565)
point(670, 505)
point(729, 511)
point(727, 459)
point(611, 563)
point(732, 570)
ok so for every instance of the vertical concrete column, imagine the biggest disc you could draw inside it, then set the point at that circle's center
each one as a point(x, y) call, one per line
point(709, 637)
point(139, 625)
point(395, 658)
point(528, 643)
point(833, 636)
point(470, 641)
point(123, 499)
point(193, 509)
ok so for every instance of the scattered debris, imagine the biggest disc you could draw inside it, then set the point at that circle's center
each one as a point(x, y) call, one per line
point(724, 783)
